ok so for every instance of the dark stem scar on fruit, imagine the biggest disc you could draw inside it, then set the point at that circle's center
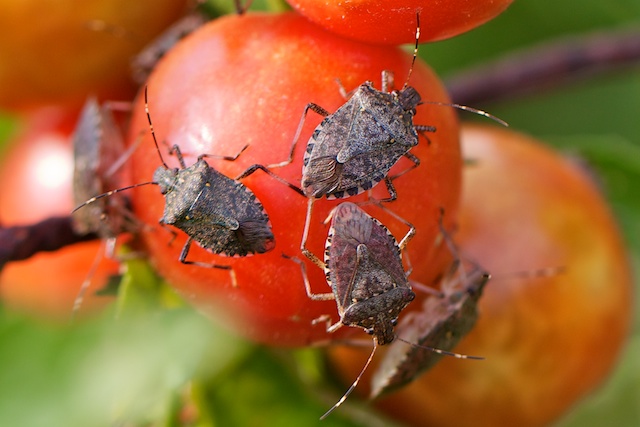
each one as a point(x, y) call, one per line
point(441, 323)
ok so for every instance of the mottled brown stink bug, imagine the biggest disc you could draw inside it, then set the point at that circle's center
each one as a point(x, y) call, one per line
point(218, 213)
point(441, 323)
point(363, 266)
point(99, 153)
point(354, 148)
point(98, 148)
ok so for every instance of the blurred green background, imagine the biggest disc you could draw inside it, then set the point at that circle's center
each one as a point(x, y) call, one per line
point(138, 369)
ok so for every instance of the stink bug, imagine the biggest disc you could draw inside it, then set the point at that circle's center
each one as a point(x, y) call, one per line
point(363, 266)
point(218, 213)
point(97, 150)
point(441, 323)
point(98, 153)
point(356, 147)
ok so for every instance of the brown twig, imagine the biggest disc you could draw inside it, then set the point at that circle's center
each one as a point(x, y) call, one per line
point(546, 66)
point(23, 241)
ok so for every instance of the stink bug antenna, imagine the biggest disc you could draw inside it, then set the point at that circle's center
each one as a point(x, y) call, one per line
point(153, 133)
point(442, 352)
point(415, 51)
point(109, 193)
point(469, 109)
point(458, 106)
point(355, 383)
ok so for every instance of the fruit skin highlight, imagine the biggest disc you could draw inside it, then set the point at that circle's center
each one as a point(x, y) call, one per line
point(548, 341)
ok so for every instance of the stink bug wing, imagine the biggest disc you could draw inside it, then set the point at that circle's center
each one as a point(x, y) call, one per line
point(321, 172)
point(441, 323)
point(384, 249)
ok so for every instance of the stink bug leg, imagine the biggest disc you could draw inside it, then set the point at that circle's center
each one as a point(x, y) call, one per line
point(310, 106)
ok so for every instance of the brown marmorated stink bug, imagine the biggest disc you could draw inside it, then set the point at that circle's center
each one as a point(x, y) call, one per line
point(144, 62)
point(354, 148)
point(218, 213)
point(441, 323)
point(363, 266)
point(99, 153)
point(98, 149)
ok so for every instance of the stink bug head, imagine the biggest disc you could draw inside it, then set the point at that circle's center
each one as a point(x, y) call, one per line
point(378, 315)
point(165, 178)
point(409, 98)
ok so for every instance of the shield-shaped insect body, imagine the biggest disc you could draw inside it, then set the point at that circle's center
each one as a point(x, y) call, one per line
point(363, 266)
point(217, 212)
point(355, 147)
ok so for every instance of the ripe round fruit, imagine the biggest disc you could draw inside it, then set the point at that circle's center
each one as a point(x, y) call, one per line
point(246, 80)
point(394, 21)
point(50, 54)
point(547, 341)
point(37, 172)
